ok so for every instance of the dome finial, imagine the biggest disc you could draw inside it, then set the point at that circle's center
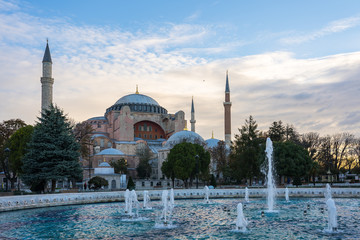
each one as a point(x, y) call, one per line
point(212, 134)
point(185, 128)
point(137, 90)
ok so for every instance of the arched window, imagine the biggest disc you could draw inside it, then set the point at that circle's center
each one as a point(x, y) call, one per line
point(113, 184)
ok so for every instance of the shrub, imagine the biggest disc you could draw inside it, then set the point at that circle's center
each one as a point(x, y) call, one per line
point(131, 184)
point(98, 182)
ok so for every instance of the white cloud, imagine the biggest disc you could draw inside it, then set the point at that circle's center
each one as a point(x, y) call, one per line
point(333, 27)
point(94, 67)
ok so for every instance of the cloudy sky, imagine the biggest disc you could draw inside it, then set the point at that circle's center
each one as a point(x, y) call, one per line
point(295, 61)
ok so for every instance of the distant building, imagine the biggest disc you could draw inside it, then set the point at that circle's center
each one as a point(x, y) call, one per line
point(133, 122)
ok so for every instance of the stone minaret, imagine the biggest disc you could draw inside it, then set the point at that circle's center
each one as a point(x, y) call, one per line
point(192, 121)
point(227, 111)
point(46, 80)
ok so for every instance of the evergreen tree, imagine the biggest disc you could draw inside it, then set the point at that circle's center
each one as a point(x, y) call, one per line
point(131, 184)
point(277, 131)
point(53, 153)
point(245, 163)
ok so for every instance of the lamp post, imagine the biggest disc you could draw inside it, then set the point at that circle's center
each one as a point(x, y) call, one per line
point(197, 171)
point(6, 167)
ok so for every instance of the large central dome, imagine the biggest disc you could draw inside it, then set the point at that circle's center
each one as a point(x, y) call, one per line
point(137, 99)
point(138, 103)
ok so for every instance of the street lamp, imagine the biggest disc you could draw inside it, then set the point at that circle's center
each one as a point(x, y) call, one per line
point(197, 171)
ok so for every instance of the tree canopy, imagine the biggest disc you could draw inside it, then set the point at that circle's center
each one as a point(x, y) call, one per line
point(185, 160)
point(53, 153)
point(245, 161)
point(17, 145)
point(120, 166)
point(144, 168)
point(291, 160)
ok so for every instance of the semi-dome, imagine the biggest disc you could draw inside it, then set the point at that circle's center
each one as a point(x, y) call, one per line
point(137, 98)
point(104, 164)
point(110, 151)
point(184, 136)
point(212, 142)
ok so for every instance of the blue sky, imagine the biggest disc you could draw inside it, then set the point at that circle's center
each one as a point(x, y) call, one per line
point(295, 61)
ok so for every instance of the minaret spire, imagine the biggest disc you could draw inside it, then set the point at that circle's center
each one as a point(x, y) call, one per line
point(227, 112)
point(46, 80)
point(192, 121)
point(227, 88)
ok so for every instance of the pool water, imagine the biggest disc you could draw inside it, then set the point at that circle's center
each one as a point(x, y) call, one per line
point(193, 219)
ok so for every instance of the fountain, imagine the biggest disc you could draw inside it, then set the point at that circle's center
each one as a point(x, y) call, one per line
point(207, 192)
point(165, 217)
point(246, 194)
point(172, 202)
point(241, 222)
point(287, 194)
point(270, 178)
point(327, 192)
point(332, 216)
point(127, 196)
point(133, 203)
point(192, 220)
point(146, 200)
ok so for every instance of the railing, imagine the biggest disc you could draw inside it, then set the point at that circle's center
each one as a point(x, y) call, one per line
point(10, 203)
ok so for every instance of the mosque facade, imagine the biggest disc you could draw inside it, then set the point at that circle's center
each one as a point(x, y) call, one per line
point(134, 122)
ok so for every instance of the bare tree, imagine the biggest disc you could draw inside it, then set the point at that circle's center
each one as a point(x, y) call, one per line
point(341, 145)
point(311, 141)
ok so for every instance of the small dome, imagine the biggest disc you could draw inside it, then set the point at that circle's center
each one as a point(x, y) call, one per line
point(212, 142)
point(110, 151)
point(104, 164)
point(137, 98)
point(184, 136)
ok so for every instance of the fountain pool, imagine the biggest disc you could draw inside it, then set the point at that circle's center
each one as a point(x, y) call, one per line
point(193, 220)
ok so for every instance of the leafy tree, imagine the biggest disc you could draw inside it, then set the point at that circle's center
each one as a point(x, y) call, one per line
point(131, 184)
point(98, 182)
point(17, 149)
point(297, 181)
point(220, 155)
point(182, 161)
point(120, 166)
point(213, 181)
point(53, 153)
point(167, 168)
point(7, 128)
point(144, 167)
point(245, 161)
point(276, 131)
point(291, 160)
point(202, 161)
point(82, 133)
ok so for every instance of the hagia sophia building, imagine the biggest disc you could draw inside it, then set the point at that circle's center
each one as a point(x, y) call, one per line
point(134, 122)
